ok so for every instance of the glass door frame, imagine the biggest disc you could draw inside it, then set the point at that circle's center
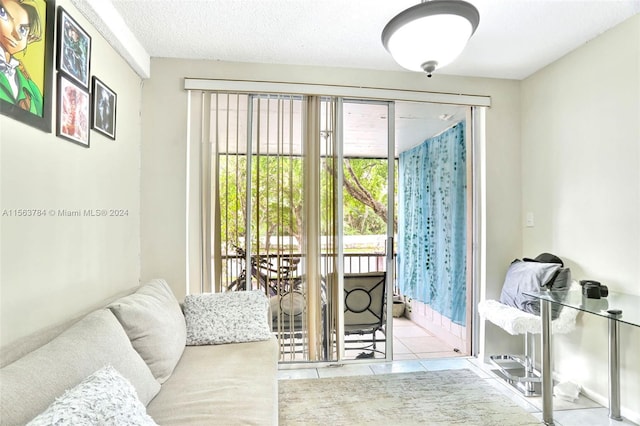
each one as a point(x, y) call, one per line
point(196, 280)
point(389, 242)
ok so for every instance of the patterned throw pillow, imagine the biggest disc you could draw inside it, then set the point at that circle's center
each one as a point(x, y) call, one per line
point(231, 317)
point(104, 398)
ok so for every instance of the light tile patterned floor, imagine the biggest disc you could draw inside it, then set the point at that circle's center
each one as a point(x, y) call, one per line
point(411, 341)
point(417, 350)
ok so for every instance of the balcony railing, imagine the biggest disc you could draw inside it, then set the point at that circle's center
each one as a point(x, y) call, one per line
point(289, 266)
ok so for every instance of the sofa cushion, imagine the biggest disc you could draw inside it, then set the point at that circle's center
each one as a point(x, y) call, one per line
point(234, 384)
point(231, 317)
point(154, 322)
point(103, 398)
point(29, 385)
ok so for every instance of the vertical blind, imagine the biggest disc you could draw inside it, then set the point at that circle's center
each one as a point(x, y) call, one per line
point(272, 210)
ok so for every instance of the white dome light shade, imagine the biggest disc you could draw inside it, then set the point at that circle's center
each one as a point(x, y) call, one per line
point(439, 38)
point(430, 35)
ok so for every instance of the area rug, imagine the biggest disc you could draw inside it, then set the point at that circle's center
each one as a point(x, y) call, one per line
point(443, 398)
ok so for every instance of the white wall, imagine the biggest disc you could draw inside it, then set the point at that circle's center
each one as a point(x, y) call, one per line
point(54, 267)
point(581, 180)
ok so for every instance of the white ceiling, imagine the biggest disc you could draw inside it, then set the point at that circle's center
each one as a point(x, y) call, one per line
point(514, 39)
point(365, 126)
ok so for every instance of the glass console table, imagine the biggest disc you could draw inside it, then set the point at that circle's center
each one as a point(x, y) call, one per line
point(616, 307)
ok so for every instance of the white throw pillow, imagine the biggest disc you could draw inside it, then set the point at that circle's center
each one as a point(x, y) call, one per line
point(231, 317)
point(104, 398)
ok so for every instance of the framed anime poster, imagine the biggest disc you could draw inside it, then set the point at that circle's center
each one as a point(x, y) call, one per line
point(73, 111)
point(103, 116)
point(74, 49)
point(26, 65)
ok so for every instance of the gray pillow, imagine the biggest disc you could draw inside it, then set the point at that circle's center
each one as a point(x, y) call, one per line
point(154, 322)
point(104, 398)
point(528, 276)
point(231, 317)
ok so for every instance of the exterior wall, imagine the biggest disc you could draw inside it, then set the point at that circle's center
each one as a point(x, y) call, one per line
point(55, 267)
point(581, 181)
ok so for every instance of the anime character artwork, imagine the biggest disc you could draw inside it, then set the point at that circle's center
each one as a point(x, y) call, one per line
point(74, 51)
point(20, 26)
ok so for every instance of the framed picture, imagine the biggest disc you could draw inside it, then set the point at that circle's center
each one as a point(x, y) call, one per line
point(73, 111)
point(74, 49)
point(26, 68)
point(103, 109)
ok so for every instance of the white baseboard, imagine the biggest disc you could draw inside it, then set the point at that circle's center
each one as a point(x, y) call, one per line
point(603, 400)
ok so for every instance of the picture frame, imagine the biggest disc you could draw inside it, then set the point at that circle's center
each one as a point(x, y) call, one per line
point(74, 49)
point(73, 111)
point(31, 61)
point(104, 103)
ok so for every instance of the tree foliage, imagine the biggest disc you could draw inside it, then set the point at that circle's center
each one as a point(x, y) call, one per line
point(277, 196)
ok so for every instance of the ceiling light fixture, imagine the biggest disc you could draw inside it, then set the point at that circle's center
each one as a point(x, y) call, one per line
point(431, 34)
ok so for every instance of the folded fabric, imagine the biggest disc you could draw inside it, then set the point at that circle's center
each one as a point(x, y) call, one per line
point(527, 276)
point(568, 391)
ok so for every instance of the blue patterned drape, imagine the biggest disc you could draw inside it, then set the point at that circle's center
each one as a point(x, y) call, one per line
point(432, 223)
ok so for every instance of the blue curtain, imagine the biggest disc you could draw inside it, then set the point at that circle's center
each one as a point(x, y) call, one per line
point(432, 223)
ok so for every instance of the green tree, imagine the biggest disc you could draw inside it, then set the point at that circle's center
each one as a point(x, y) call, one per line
point(365, 184)
point(277, 196)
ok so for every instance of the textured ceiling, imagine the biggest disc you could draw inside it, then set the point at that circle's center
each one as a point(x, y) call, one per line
point(515, 38)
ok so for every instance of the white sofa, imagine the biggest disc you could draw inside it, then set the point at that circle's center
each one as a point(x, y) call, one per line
point(144, 336)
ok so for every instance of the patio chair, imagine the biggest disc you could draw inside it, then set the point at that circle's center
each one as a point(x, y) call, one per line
point(288, 321)
point(364, 302)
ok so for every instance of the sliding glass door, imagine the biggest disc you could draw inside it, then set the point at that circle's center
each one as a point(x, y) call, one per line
point(299, 201)
point(279, 192)
point(368, 226)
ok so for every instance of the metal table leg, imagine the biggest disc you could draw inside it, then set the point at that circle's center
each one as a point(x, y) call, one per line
point(547, 377)
point(614, 370)
point(529, 363)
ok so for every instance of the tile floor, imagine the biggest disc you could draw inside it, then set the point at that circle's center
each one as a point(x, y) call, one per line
point(417, 350)
point(411, 341)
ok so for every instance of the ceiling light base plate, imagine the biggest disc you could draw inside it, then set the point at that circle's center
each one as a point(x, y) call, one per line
point(429, 67)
